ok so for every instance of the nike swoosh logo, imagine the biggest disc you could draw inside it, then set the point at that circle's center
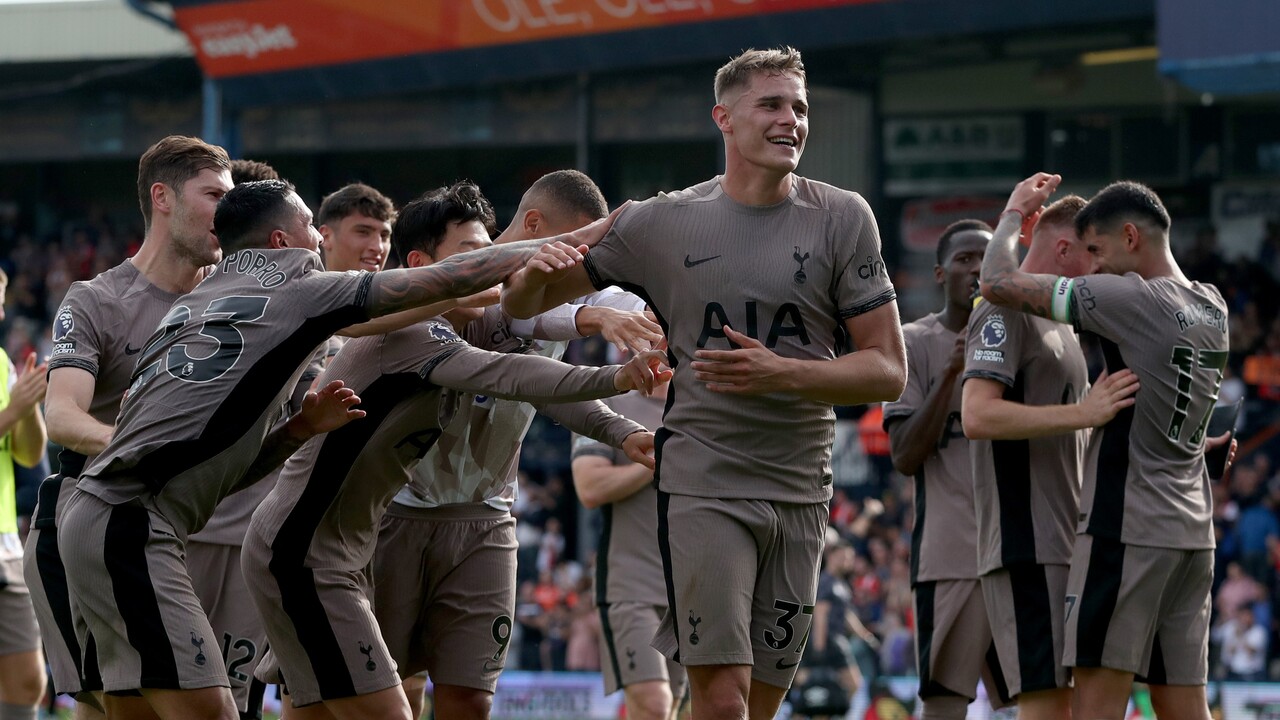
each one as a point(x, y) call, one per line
point(782, 666)
point(694, 263)
point(490, 666)
point(131, 351)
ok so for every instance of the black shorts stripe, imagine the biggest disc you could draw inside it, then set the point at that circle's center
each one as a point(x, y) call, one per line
point(1106, 515)
point(1157, 674)
point(925, 596)
point(1033, 617)
point(997, 675)
point(664, 547)
point(253, 704)
point(1012, 460)
point(1098, 600)
point(124, 550)
point(53, 579)
point(299, 597)
point(47, 502)
point(917, 530)
point(606, 628)
point(602, 555)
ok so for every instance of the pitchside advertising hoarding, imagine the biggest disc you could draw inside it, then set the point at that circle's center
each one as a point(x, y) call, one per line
point(255, 36)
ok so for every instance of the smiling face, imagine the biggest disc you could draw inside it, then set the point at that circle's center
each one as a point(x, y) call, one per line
point(767, 123)
point(356, 242)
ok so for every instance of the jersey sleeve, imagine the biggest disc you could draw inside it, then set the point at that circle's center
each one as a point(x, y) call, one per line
point(619, 259)
point(993, 347)
point(557, 324)
point(584, 446)
point(458, 366)
point(917, 378)
point(342, 295)
point(77, 331)
point(1107, 304)
point(862, 284)
point(616, 298)
point(593, 419)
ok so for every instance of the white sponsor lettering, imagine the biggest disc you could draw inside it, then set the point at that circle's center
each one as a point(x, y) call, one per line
point(64, 348)
point(988, 356)
point(508, 16)
point(235, 39)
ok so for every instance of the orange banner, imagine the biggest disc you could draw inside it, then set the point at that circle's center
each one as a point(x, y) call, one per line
point(253, 36)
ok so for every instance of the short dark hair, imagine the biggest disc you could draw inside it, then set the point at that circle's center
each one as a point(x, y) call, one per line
point(173, 161)
point(955, 228)
point(741, 68)
point(566, 193)
point(249, 212)
point(352, 199)
point(422, 224)
point(1122, 201)
point(243, 171)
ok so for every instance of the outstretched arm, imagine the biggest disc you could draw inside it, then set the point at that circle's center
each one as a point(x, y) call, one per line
point(1002, 281)
point(988, 416)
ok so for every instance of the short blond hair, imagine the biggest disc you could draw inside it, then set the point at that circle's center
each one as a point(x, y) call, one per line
point(739, 70)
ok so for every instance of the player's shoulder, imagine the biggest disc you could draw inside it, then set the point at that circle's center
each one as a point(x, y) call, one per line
point(824, 196)
point(921, 328)
point(114, 283)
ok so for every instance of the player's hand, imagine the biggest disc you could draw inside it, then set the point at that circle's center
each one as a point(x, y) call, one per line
point(955, 363)
point(639, 447)
point(1108, 396)
point(752, 369)
point(552, 262)
point(628, 331)
point(28, 389)
point(643, 372)
point(590, 235)
point(1216, 442)
point(1030, 194)
point(482, 299)
point(326, 410)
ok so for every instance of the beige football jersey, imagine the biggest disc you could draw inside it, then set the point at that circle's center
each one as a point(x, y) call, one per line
point(1145, 479)
point(326, 506)
point(1027, 491)
point(101, 328)
point(943, 538)
point(628, 564)
point(789, 275)
point(230, 520)
point(213, 379)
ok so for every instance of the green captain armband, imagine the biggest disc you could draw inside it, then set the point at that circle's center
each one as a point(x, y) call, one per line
point(1060, 303)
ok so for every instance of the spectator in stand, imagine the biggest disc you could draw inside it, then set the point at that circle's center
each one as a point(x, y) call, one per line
point(1244, 646)
point(1257, 530)
point(532, 621)
point(583, 653)
point(1237, 591)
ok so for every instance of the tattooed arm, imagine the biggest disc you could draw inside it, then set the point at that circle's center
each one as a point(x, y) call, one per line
point(469, 273)
point(1002, 281)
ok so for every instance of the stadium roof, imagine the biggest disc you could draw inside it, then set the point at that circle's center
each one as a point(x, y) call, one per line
point(1225, 47)
point(273, 51)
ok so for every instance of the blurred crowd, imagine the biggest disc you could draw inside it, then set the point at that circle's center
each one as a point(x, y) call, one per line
point(556, 624)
